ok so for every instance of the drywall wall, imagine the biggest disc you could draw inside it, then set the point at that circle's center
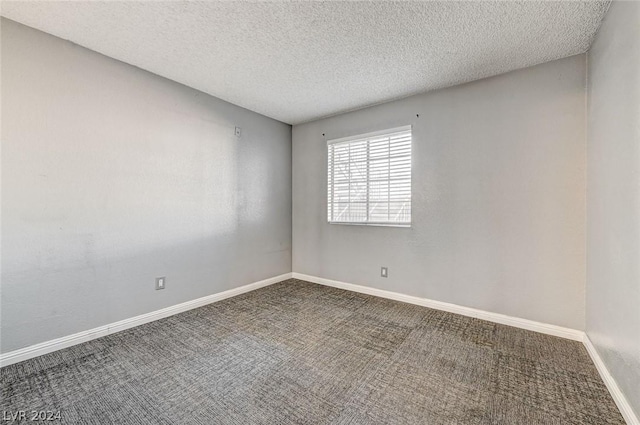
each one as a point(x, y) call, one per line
point(613, 197)
point(112, 176)
point(498, 197)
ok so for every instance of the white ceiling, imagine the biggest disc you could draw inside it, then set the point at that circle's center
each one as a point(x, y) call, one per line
point(298, 61)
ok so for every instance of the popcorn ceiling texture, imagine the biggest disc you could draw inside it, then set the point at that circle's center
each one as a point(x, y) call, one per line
point(299, 61)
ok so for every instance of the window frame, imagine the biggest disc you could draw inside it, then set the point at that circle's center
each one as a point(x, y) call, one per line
point(331, 186)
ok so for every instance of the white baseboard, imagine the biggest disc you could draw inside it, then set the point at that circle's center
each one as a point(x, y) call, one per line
point(84, 336)
point(517, 322)
point(573, 334)
point(612, 386)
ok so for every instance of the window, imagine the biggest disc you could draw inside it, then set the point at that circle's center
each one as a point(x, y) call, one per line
point(369, 178)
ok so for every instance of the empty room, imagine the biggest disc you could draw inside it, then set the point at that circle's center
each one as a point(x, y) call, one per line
point(320, 212)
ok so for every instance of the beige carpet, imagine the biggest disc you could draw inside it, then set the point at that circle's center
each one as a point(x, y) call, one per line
point(300, 353)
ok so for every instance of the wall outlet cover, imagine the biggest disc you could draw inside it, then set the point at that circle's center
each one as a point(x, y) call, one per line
point(384, 272)
point(161, 283)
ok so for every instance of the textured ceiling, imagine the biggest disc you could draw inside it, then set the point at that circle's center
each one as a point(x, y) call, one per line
point(298, 61)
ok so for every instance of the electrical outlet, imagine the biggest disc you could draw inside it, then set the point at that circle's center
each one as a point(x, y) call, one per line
point(384, 272)
point(238, 131)
point(160, 283)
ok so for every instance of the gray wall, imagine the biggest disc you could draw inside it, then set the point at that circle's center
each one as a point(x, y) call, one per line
point(498, 197)
point(112, 176)
point(613, 201)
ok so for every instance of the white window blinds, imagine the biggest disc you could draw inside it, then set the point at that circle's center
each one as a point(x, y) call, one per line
point(369, 178)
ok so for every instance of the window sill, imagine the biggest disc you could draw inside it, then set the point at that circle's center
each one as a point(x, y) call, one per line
point(404, 225)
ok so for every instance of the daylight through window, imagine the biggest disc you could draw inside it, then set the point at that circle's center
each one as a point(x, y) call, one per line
point(369, 178)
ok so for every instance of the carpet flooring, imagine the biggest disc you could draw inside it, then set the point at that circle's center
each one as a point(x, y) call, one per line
point(301, 353)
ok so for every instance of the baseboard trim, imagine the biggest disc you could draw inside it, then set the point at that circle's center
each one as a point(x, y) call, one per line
point(573, 334)
point(617, 395)
point(545, 328)
point(36, 350)
point(517, 322)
